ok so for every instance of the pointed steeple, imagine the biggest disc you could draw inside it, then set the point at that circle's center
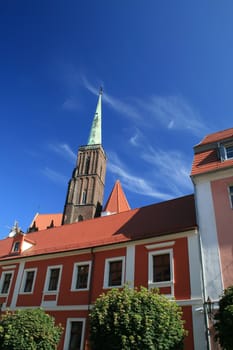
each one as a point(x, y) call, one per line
point(117, 201)
point(95, 137)
point(86, 187)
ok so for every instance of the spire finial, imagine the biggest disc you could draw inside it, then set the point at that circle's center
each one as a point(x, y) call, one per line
point(101, 90)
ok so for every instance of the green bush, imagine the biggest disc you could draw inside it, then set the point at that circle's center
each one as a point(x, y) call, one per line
point(132, 319)
point(28, 329)
point(224, 320)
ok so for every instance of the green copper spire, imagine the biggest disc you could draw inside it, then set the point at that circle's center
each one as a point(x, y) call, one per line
point(95, 137)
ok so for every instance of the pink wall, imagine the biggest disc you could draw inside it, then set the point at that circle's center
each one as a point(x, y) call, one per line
point(224, 223)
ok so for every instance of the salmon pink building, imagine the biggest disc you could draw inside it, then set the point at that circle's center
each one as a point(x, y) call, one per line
point(181, 246)
point(212, 175)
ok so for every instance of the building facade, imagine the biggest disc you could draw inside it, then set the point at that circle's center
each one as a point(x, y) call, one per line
point(182, 246)
point(212, 175)
point(64, 269)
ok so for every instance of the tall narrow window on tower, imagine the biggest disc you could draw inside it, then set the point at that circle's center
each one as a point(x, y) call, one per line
point(87, 165)
point(84, 197)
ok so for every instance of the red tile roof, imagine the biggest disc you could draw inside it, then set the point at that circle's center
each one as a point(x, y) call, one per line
point(206, 158)
point(217, 136)
point(117, 201)
point(168, 217)
point(42, 221)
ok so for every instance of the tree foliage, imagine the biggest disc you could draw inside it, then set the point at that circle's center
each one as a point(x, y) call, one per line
point(224, 320)
point(132, 319)
point(28, 329)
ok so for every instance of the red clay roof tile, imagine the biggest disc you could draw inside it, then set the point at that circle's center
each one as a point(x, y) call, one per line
point(206, 158)
point(217, 136)
point(117, 201)
point(42, 221)
point(177, 215)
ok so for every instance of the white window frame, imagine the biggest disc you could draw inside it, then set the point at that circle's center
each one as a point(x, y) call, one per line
point(75, 275)
point(151, 283)
point(47, 279)
point(4, 273)
point(226, 147)
point(230, 191)
point(16, 247)
point(25, 278)
point(223, 151)
point(107, 270)
point(68, 330)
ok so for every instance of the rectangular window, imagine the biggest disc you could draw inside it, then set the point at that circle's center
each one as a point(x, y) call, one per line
point(114, 272)
point(81, 276)
point(6, 282)
point(231, 195)
point(53, 279)
point(16, 247)
point(28, 281)
point(229, 152)
point(74, 337)
point(160, 268)
point(84, 197)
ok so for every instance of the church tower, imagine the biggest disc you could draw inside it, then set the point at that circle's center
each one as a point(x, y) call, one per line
point(86, 187)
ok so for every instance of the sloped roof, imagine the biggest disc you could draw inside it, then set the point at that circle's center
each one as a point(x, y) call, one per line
point(217, 136)
point(117, 201)
point(42, 221)
point(206, 157)
point(168, 217)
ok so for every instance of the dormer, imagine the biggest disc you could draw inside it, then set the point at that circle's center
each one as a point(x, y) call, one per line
point(20, 242)
point(213, 153)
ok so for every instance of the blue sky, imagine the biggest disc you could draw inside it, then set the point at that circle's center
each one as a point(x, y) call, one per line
point(166, 70)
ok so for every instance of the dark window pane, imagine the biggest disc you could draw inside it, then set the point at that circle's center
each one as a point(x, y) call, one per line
point(161, 268)
point(115, 273)
point(53, 281)
point(29, 281)
point(82, 276)
point(75, 335)
point(84, 197)
point(229, 151)
point(231, 195)
point(6, 283)
point(16, 246)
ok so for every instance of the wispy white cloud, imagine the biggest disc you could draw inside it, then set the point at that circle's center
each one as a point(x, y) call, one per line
point(54, 176)
point(172, 168)
point(89, 86)
point(135, 184)
point(165, 173)
point(63, 150)
point(134, 140)
point(70, 104)
point(124, 108)
point(175, 113)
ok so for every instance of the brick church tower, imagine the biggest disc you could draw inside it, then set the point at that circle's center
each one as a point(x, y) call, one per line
point(86, 187)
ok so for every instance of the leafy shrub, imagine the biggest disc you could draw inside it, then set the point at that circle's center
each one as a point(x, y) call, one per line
point(28, 329)
point(132, 319)
point(224, 320)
